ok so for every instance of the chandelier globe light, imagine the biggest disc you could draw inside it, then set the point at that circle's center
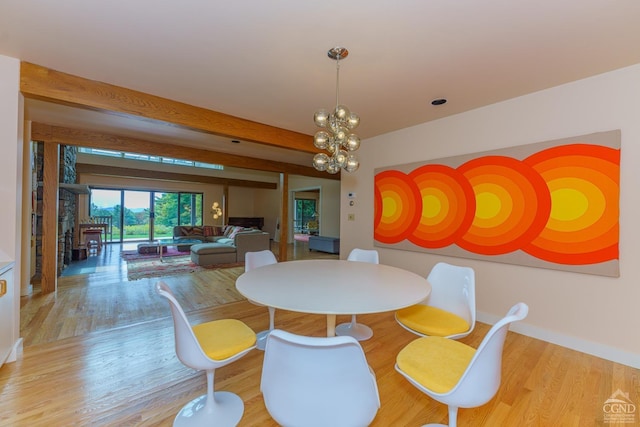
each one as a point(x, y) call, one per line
point(216, 210)
point(335, 136)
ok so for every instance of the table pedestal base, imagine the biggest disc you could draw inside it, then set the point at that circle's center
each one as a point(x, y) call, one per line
point(331, 325)
point(357, 330)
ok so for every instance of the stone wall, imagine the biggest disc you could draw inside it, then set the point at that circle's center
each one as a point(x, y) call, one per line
point(66, 207)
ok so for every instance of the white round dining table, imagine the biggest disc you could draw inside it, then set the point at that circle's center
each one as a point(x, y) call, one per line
point(333, 287)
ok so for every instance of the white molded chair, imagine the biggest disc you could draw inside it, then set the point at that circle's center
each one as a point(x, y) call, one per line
point(354, 329)
point(450, 309)
point(318, 382)
point(206, 347)
point(454, 373)
point(254, 260)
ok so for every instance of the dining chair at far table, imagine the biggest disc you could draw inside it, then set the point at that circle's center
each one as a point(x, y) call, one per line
point(318, 381)
point(254, 260)
point(354, 329)
point(107, 220)
point(454, 373)
point(450, 309)
point(206, 347)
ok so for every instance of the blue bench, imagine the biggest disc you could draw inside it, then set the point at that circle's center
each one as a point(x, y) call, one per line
point(324, 244)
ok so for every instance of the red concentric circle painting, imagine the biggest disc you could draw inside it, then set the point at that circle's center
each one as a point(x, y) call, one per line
point(550, 204)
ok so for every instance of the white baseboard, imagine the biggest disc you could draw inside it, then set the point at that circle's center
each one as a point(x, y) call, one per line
point(589, 347)
point(26, 290)
point(16, 351)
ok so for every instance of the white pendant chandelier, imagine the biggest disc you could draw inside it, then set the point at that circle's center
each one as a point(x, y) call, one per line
point(336, 137)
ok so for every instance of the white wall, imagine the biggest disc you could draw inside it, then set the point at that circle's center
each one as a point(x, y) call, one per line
point(268, 204)
point(593, 314)
point(11, 189)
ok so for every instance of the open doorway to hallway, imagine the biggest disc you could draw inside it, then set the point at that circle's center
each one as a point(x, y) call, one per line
point(306, 208)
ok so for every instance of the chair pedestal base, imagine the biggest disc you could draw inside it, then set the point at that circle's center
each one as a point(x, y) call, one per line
point(227, 410)
point(356, 330)
point(261, 339)
point(453, 418)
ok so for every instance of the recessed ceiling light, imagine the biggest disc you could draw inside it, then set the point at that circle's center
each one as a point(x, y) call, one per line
point(439, 101)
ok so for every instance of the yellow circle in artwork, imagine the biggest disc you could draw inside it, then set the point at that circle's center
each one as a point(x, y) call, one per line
point(568, 204)
point(389, 207)
point(488, 205)
point(431, 206)
point(576, 204)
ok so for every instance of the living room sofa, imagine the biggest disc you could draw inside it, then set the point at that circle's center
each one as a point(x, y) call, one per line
point(223, 245)
point(205, 233)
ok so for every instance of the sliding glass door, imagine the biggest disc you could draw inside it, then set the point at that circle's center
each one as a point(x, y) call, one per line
point(107, 203)
point(165, 209)
point(136, 215)
point(190, 208)
point(146, 215)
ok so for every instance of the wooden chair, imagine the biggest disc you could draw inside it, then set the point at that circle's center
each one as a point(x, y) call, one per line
point(93, 239)
point(108, 231)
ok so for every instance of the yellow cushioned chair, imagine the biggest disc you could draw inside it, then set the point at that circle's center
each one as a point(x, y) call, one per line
point(454, 373)
point(450, 309)
point(206, 347)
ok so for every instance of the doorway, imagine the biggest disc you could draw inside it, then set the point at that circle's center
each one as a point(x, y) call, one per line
point(306, 208)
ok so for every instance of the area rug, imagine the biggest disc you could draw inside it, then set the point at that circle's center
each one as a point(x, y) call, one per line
point(301, 237)
point(134, 255)
point(171, 266)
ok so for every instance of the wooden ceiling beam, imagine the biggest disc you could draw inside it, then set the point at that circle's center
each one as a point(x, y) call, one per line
point(54, 86)
point(85, 168)
point(92, 139)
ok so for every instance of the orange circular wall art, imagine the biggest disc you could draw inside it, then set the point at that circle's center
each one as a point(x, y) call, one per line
point(583, 181)
point(558, 205)
point(397, 206)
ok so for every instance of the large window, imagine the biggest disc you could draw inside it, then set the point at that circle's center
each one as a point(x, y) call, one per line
point(147, 158)
point(146, 215)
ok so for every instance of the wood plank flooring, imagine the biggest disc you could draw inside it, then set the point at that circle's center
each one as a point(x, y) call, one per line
point(89, 362)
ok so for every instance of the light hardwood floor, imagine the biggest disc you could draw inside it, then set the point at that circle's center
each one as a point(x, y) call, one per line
point(101, 353)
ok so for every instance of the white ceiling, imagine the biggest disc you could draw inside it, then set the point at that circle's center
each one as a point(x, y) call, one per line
point(266, 60)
